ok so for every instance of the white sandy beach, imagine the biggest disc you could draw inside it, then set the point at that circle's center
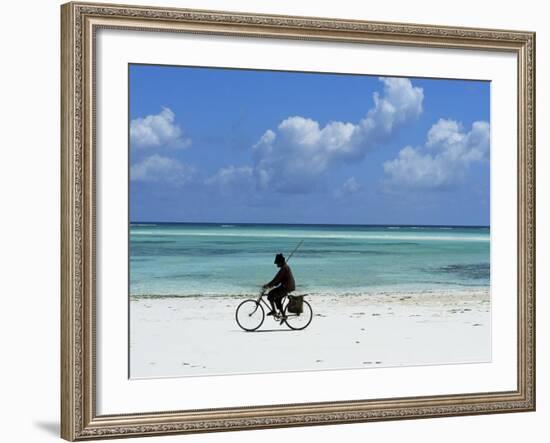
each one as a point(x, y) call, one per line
point(186, 336)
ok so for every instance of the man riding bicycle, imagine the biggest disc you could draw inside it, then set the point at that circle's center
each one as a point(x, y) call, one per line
point(283, 283)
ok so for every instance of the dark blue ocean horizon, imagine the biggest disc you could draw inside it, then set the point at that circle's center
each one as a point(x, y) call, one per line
point(367, 225)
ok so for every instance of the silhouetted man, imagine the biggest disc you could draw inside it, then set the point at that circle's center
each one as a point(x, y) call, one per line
point(282, 284)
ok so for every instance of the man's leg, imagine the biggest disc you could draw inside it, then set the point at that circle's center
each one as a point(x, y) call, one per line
point(271, 298)
point(275, 297)
point(279, 299)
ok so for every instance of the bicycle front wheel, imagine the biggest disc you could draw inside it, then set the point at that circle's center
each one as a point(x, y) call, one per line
point(299, 321)
point(250, 315)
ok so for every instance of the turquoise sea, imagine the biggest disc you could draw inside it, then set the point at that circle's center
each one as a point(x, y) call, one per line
point(183, 259)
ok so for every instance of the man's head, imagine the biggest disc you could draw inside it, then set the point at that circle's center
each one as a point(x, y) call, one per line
point(279, 260)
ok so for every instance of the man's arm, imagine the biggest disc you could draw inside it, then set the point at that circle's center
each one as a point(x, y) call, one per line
point(276, 280)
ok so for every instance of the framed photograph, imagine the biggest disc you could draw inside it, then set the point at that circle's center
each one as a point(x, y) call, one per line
point(277, 221)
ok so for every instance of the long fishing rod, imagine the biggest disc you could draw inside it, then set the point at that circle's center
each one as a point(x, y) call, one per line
point(295, 249)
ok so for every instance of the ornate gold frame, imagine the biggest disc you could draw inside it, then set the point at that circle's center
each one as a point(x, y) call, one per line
point(79, 22)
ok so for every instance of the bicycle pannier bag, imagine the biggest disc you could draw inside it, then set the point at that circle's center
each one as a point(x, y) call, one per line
point(295, 304)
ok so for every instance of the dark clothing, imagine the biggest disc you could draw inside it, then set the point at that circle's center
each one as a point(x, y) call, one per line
point(275, 296)
point(284, 283)
point(284, 279)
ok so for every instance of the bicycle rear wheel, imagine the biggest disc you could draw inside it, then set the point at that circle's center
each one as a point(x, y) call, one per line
point(250, 315)
point(299, 321)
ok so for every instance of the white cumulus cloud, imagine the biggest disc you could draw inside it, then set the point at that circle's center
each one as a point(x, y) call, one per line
point(294, 156)
point(231, 176)
point(351, 186)
point(443, 161)
point(157, 168)
point(159, 130)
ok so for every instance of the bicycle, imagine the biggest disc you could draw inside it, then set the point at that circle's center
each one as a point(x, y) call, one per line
point(250, 314)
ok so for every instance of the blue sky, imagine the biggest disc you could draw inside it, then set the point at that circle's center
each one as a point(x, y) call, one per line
point(248, 146)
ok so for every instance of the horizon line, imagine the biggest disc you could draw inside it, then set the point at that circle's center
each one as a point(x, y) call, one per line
point(309, 224)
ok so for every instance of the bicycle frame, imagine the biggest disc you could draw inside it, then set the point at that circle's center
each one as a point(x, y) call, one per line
point(279, 317)
point(261, 300)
